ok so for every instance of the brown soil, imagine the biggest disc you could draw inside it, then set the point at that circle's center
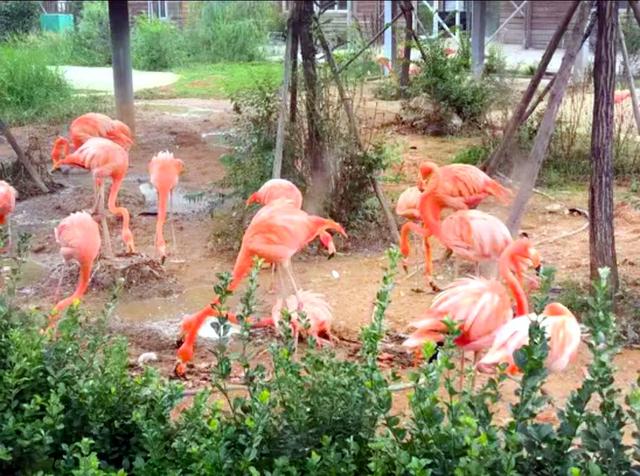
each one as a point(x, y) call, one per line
point(157, 295)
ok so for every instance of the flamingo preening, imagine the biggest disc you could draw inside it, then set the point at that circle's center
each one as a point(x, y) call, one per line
point(105, 159)
point(479, 306)
point(79, 239)
point(276, 233)
point(164, 173)
point(91, 125)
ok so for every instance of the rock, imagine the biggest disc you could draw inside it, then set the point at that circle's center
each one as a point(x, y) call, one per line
point(426, 115)
point(555, 208)
point(146, 358)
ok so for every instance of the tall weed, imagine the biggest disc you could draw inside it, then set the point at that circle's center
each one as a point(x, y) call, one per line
point(91, 38)
point(157, 45)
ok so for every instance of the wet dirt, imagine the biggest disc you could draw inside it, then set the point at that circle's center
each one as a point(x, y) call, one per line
point(149, 309)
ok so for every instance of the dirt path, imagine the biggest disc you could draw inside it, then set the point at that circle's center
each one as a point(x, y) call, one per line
point(193, 129)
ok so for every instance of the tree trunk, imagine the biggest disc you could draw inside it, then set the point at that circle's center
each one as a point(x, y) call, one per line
point(121, 59)
point(22, 158)
point(491, 166)
point(406, 62)
point(313, 146)
point(543, 136)
point(284, 96)
point(601, 233)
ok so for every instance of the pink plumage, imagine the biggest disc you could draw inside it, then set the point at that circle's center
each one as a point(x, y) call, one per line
point(408, 203)
point(276, 189)
point(7, 201)
point(314, 306)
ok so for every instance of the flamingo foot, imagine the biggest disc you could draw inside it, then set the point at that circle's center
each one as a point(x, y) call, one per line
point(180, 370)
point(434, 286)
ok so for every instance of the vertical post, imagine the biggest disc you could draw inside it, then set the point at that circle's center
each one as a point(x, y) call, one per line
point(528, 25)
point(478, 28)
point(434, 25)
point(349, 17)
point(121, 59)
point(282, 119)
point(458, 18)
point(388, 34)
point(629, 74)
point(405, 6)
point(601, 233)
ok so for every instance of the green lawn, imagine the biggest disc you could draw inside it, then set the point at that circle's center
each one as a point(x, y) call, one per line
point(221, 80)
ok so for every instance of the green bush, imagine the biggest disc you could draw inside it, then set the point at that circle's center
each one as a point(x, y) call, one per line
point(70, 405)
point(474, 155)
point(229, 31)
point(157, 45)
point(447, 80)
point(18, 18)
point(91, 38)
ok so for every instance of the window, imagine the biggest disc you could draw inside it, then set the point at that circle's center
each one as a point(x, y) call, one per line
point(335, 5)
point(158, 9)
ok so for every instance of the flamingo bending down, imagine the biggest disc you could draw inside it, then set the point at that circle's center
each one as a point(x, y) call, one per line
point(560, 326)
point(105, 159)
point(164, 171)
point(479, 306)
point(275, 234)
point(7, 205)
point(316, 310)
point(408, 207)
point(91, 125)
point(470, 234)
point(79, 239)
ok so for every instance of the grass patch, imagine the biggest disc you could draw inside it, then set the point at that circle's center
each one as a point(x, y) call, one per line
point(222, 80)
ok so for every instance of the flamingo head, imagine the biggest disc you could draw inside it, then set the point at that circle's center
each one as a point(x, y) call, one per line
point(327, 242)
point(557, 309)
point(523, 252)
point(426, 170)
point(127, 237)
point(60, 149)
point(254, 198)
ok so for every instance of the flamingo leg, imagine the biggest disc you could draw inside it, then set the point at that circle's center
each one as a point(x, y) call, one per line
point(56, 295)
point(287, 268)
point(476, 355)
point(10, 237)
point(461, 370)
point(477, 269)
point(106, 240)
point(272, 286)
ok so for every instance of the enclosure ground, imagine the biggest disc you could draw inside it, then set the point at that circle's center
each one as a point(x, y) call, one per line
point(150, 308)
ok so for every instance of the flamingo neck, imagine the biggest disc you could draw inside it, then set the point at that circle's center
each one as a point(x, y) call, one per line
point(81, 288)
point(60, 149)
point(430, 214)
point(522, 305)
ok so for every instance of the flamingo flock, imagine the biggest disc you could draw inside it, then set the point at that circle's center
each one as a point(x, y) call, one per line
point(491, 313)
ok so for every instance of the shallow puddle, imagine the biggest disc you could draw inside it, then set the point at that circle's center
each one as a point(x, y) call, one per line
point(165, 308)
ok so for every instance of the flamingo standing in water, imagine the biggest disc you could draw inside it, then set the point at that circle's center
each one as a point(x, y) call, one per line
point(7, 205)
point(479, 306)
point(91, 125)
point(105, 159)
point(79, 240)
point(470, 234)
point(560, 326)
point(275, 234)
point(164, 171)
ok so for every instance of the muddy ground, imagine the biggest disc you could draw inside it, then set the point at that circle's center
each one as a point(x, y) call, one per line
point(157, 296)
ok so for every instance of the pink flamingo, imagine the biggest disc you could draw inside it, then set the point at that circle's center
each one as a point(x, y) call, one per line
point(276, 233)
point(79, 240)
point(479, 306)
point(7, 205)
point(105, 159)
point(470, 234)
point(164, 172)
point(561, 328)
point(91, 125)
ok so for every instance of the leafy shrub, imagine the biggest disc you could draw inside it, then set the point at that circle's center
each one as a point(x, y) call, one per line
point(157, 44)
point(474, 155)
point(18, 18)
point(447, 81)
point(91, 38)
point(495, 62)
point(70, 406)
point(229, 31)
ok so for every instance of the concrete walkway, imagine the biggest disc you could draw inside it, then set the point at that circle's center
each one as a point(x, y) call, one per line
point(101, 79)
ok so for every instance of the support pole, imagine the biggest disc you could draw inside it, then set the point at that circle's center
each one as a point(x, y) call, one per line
point(353, 129)
point(388, 35)
point(629, 74)
point(543, 136)
point(121, 59)
point(405, 7)
point(282, 118)
point(23, 159)
point(478, 29)
point(491, 166)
